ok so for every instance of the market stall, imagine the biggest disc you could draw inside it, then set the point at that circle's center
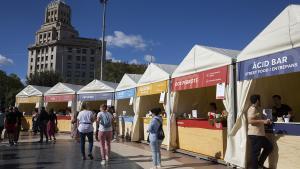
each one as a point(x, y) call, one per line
point(270, 65)
point(152, 92)
point(125, 95)
point(204, 79)
point(27, 100)
point(62, 98)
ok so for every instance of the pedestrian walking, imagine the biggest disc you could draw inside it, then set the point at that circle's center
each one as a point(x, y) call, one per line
point(2, 118)
point(85, 121)
point(19, 124)
point(105, 119)
point(74, 127)
point(35, 125)
point(51, 126)
point(256, 134)
point(156, 136)
point(112, 111)
point(43, 120)
point(11, 125)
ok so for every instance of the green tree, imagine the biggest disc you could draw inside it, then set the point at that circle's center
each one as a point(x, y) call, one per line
point(114, 72)
point(45, 78)
point(10, 86)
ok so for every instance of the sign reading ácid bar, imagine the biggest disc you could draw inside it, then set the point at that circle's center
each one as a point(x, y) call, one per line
point(153, 88)
point(32, 99)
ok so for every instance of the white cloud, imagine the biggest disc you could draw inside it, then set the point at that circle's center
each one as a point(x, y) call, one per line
point(5, 61)
point(134, 61)
point(149, 58)
point(110, 57)
point(120, 39)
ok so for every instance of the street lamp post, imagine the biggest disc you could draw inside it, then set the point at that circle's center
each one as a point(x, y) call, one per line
point(103, 52)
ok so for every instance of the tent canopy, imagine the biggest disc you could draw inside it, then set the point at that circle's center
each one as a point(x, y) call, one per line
point(201, 58)
point(128, 81)
point(63, 88)
point(32, 90)
point(98, 86)
point(156, 73)
point(283, 33)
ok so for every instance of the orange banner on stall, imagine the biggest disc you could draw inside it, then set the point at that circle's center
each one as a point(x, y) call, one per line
point(153, 88)
point(32, 99)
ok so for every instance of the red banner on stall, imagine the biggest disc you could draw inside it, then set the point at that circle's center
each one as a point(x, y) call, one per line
point(202, 79)
point(59, 98)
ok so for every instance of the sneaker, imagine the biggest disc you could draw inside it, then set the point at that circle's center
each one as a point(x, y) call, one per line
point(91, 156)
point(153, 167)
point(103, 162)
point(159, 166)
point(83, 158)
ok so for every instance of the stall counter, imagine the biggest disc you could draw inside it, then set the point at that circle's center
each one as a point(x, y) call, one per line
point(198, 136)
point(286, 142)
point(147, 120)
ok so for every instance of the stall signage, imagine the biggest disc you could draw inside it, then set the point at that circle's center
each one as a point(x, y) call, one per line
point(95, 96)
point(153, 88)
point(124, 94)
point(202, 79)
point(275, 64)
point(32, 99)
point(59, 98)
point(220, 92)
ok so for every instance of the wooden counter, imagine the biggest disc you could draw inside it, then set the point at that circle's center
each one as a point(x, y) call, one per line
point(198, 136)
point(286, 142)
point(147, 121)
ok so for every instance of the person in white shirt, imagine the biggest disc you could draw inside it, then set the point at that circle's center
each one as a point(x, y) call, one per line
point(85, 121)
point(105, 120)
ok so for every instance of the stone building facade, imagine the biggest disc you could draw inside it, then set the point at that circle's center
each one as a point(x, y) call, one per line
point(58, 47)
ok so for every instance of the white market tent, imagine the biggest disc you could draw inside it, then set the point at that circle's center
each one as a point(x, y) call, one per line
point(128, 81)
point(30, 97)
point(154, 73)
point(95, 92)
point(202, 58)
point(282, 34)
point(59, 91)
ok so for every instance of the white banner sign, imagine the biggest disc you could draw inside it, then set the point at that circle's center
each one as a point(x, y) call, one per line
point(162, 97)
point(69, 103)
point(220, 91)
point(109, 102)
point(131, 101)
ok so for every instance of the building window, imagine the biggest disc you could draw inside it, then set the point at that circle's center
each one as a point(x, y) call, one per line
point(52, 49)
point(42, 59)
point(49, 35)
point(37, 67)
point(69, 65)
point(30, 67)
point(38, 59)
point(69, 73)
point(43, 50)
point(46, 66)
point(31, 52)
point(78, 50)
point(92, 51)
point(51, 65)
point(46, 50)
point(42, 66)
point(70, 50)
point(91, 66)
point(46, 58)
point(84, 51)
point(82, 74)
point(83, 66)
point(77, 66)
point(38, 51)
point(91, 74)
point(69, 57)
point(84, 58)
point(92, 59)
point(31, 59)
point(77, 74)
point(51, 57)
point(78, 58)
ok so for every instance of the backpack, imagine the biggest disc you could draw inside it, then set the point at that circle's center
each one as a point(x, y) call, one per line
point(105, 120)
point(160, 131)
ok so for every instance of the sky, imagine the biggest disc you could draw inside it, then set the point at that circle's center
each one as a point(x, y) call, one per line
point(139, 31)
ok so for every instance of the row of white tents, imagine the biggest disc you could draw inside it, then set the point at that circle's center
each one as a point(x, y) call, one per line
point(266, 66)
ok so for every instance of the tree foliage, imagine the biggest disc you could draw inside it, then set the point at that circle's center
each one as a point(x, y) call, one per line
point(114, 72)
point(10, 86)
point(45, 78)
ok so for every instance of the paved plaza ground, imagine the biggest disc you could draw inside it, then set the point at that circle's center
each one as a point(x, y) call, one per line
point(65, 154)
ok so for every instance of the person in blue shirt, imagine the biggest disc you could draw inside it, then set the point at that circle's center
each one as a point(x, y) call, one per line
point(155, 142)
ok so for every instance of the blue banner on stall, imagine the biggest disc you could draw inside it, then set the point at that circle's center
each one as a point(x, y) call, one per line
point(124, 94)
point(275, 64)
point(95, 96)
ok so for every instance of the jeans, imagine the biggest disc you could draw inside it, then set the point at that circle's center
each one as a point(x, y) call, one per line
point(82, 142)
point(105, 139)
point(43, 131)
point(155, 148)
point(258, 143)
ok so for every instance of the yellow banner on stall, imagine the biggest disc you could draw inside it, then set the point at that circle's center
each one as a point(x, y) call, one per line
point(32, 99)
point(153, 88)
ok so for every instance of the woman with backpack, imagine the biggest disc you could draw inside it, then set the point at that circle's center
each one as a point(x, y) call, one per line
point(105, 119)
point(156, 136)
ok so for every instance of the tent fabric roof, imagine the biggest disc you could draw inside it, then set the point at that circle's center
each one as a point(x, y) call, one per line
point(128, 81)
point(283, 33)
point(156, 72)
point(63, 88)
point(201, 58)
point(98, 86)
point(32, 90)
